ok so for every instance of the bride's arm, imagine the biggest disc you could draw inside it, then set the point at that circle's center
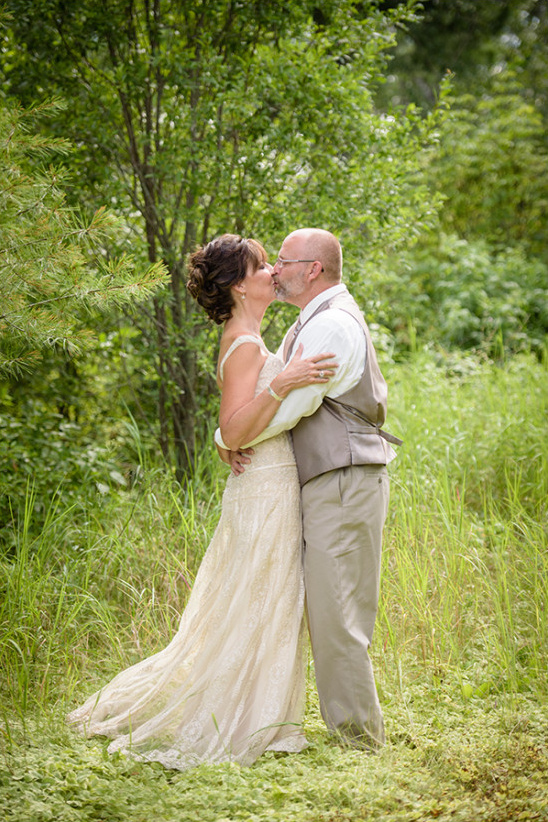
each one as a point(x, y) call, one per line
point(243, 416)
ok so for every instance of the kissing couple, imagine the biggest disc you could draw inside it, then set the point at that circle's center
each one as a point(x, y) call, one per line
point(303, 510)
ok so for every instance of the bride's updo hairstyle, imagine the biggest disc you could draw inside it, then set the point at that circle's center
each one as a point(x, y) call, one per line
point(216, 267)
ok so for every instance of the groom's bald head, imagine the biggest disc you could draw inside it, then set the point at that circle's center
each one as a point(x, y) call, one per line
point(309, 262)
point(321, 245)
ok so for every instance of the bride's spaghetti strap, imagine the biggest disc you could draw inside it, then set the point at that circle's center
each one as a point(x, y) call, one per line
point(243, 338)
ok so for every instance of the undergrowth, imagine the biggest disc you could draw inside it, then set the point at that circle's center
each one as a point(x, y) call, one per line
point(460, 649)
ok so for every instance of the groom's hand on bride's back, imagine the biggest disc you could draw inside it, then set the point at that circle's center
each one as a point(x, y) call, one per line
point(239, 459)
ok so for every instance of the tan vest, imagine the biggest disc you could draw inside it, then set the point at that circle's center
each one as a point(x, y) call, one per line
point(347, 430)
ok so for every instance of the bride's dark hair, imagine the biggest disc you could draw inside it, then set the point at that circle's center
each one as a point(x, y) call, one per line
point(214, 268)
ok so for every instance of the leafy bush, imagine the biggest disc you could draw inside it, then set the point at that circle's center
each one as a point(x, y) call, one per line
point(56, 457)
point(464, 294)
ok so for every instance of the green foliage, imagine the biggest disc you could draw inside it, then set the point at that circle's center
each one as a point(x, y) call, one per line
point(471, 40)
point(468, 521)
point(466, 295)
point(50, 263)
point(493, 167)
point(60, 459)
point(470, 481)
point(93, 561)
point(69, 428)
point(195, 120)
point(448, 759)
point(483, 284)
point(459, 650)
point(482, 281)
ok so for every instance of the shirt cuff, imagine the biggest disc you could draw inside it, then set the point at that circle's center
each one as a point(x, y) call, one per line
point(219, 440)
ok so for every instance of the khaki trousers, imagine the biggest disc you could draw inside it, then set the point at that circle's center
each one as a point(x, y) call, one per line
point(343, 517)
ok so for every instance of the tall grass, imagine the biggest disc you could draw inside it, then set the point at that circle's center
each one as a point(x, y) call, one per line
point(465, 581)
point(101, 583)
point(460, 649)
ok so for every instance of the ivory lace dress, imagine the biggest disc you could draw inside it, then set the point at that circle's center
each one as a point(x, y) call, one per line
point(231, 683)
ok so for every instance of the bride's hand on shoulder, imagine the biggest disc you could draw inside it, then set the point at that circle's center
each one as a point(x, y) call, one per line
point(299, 372)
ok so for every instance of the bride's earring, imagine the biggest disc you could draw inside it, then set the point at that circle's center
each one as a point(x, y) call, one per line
point(242, 295)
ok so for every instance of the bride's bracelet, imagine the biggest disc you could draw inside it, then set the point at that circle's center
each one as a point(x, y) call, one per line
point(273, 394)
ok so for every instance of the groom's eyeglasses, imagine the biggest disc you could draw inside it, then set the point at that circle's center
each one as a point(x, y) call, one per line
point(281, 261)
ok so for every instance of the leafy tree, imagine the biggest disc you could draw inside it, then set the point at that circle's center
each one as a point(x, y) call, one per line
point(492, 166)
point(482, 283)
point(469, 39)
point(50, 262)
point(197, 118)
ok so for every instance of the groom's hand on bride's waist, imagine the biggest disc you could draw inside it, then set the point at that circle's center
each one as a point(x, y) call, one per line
point(239, 459)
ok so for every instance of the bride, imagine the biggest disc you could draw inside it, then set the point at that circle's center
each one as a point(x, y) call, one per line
point(231, 682)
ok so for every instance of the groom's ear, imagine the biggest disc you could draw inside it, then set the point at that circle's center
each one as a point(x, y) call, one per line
point(315, 271)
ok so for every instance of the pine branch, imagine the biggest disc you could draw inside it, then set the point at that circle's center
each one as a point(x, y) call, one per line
point(51, 264)
point(154, 277)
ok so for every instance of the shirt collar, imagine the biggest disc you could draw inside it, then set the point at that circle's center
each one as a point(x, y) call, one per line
point(319, 299)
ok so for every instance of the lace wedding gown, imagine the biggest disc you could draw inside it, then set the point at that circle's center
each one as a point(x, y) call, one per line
point(230, 684)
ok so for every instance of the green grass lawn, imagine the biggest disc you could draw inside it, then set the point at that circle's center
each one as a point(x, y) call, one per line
point(448, 756)
point(460, 650)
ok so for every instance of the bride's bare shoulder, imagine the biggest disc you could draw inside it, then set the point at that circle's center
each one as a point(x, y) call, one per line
point(231, 341)
point(230, 336)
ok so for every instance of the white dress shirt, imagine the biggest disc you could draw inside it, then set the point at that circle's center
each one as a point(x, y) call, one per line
point(331, 331)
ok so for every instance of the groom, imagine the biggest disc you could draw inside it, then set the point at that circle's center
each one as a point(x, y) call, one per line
point(341, 454)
